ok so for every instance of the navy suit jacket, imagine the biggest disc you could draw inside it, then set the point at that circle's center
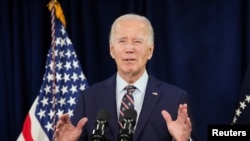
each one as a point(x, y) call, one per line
point(150, 126)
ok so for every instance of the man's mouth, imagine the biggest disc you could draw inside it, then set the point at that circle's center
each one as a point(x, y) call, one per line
point(129, 59)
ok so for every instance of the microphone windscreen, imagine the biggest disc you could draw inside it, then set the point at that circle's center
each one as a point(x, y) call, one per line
point(130, 114)
point(103, 115)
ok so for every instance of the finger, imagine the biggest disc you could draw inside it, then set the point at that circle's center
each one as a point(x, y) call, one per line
point(59, 124)
point(189, 124)
point(185, 108)
point(182, 111)
point(56, 135)
point(65, 118)
point(166, 116)
point(82, 122)
point(62, 120)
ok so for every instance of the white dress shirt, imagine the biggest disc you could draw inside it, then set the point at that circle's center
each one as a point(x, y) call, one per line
point(138, 94)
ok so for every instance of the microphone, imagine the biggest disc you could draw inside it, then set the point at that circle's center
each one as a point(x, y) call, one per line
point(129, 120)
point(101, 123)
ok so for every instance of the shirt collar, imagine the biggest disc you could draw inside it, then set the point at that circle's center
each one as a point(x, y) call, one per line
point(140, 84)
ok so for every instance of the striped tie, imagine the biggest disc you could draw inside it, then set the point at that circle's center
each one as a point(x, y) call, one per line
point(127, 102)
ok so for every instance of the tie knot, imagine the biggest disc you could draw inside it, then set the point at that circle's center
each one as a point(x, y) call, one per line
point(130, 89)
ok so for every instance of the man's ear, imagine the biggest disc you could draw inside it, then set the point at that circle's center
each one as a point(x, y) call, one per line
point(111, 49)
point(151, 51)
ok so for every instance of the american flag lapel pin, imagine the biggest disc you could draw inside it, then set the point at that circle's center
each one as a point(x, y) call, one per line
point(154, 93)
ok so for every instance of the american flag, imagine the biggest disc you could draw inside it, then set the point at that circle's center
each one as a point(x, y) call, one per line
point(242, 112)
point(68, 82)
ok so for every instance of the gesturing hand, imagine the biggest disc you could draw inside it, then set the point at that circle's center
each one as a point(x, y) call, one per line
point(65, 131)
point(181, 128)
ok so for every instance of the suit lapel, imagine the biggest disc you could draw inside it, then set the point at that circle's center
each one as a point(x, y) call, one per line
point(152, 96)
point(110, 104)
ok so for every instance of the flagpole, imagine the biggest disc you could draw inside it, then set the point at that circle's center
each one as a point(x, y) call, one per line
point(56, 12)
point(53, 45)
point(53, 61)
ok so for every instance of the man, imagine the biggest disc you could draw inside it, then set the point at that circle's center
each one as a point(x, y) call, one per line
point(162, 108)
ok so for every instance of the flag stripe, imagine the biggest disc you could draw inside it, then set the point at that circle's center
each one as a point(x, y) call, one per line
point(27, 129)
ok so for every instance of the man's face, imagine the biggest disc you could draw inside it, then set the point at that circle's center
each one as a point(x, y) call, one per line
point(130, 47)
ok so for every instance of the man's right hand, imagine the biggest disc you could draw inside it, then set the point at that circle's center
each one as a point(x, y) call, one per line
point(65, 131)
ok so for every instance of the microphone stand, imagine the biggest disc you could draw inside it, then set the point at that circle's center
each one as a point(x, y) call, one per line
point(126, 133)
point(98, 133)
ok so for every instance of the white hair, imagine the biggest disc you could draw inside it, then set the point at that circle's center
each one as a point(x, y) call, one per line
point(132, 17)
